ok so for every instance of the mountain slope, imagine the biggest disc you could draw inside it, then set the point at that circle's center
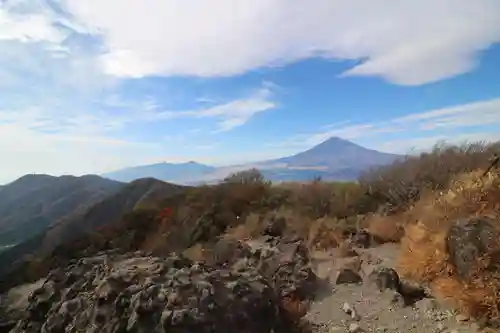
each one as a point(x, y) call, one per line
point(333, 159)
point(108, 211)
point(162, 171)
point(336, 153)
point(136, 194)
point(31, 203)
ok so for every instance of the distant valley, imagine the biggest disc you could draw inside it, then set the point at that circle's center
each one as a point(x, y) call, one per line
point(334, 159)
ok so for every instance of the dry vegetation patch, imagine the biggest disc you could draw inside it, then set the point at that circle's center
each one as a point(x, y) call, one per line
point(426, 245)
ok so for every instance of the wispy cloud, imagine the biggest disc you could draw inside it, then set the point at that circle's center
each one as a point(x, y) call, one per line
point(28, 27)
point(415, 131)
point(472, 114)
point(420, 144)
point(231, 114)
point(56, 136)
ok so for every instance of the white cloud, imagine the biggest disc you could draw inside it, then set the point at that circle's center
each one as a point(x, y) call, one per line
point(27, 150)
point(415, 131)
point(408, 43)
point(456, 116)
point(231, 114)
point(405, 42)
point(408, 146)
point(57, 137)
point(28, 28)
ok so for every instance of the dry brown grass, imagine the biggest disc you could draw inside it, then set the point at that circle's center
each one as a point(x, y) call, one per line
point(403, 182)
point(197, 253)
point(385, 228)
point(423, 253)
point(250, 228)
point(424, 257)
point(324, 233)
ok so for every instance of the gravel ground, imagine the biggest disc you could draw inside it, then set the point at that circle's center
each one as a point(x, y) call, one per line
point(363, 308)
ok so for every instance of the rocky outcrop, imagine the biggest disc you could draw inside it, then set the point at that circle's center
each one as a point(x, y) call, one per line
point(252, 291)
point(469, 240)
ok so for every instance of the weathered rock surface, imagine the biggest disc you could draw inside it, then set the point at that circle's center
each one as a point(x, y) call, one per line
point(385, 278)
point(110, 293)
point(470, 239)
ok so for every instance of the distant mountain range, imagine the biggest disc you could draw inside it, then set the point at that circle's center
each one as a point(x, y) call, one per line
point(31, 203)
point(334, 159)
point(40, 212)
point(174, 172)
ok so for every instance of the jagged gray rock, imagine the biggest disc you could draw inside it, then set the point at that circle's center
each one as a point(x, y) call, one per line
point(113, 293)
point(468, 240)
point(385, 278)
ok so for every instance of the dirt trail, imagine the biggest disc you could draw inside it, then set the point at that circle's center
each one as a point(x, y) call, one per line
point(375, 311)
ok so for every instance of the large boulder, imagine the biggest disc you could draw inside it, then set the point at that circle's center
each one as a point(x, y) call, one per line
point(147, 294)
point(286, 264)
point(254, 288)
point(470, 239)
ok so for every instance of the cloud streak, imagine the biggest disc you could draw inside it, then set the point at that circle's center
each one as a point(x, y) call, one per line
point(57, 137)
point(416, 131)
point(231, 114)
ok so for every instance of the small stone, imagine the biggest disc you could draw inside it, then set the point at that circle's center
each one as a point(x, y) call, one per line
point(396, 299)
point(347, 276)
point(412, 290)
point(346, 308)
point(354, 328)
point(440, 327)
point(385, 278)
point(461, 318)
point(354, 315)
point(426, 305)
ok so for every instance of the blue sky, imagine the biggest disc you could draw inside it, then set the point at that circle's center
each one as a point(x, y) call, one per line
point(92, 86)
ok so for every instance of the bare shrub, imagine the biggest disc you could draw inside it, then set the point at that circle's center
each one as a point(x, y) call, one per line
point(250, 176)
point(401, 183)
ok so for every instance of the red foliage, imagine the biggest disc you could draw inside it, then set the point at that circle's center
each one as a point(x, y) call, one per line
point(166, 212)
